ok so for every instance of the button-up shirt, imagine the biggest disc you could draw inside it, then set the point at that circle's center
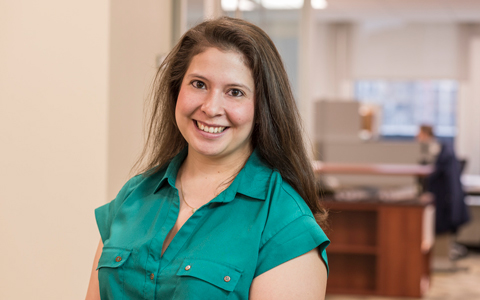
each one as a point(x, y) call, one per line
point(256, 224)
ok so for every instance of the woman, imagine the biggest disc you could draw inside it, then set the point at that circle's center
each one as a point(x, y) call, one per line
point(223, 208)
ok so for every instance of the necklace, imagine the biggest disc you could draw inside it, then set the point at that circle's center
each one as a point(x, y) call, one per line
point(185, 200)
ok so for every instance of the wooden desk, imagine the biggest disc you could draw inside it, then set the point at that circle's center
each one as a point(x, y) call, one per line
point(380, 249)
point(371, 169)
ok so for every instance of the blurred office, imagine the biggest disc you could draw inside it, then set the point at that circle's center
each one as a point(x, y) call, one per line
point(74, 77)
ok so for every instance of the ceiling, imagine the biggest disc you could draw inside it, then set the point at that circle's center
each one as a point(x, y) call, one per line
point(396, 10)
point(414, 10)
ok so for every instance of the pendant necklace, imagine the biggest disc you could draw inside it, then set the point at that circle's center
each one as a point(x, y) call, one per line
point(185, 200)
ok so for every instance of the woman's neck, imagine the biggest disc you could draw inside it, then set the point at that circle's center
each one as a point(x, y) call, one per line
point(200, 166)
point(201, 178)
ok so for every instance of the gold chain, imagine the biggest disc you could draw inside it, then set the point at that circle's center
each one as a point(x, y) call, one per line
point(185, 200)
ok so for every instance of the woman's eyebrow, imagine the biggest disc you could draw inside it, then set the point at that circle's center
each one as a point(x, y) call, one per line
point(234, 84)
point(240, 86)
point(197, 76)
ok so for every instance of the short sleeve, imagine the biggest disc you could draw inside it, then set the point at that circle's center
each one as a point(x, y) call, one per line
point(104, 214)
point(296, 238)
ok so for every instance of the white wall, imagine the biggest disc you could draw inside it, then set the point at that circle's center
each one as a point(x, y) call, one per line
point(332, 61)
point(405, 50)
point(468, 138)
point(322, 63)
point(58, 123)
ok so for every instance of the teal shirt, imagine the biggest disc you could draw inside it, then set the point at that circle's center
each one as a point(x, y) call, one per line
point(256, 224)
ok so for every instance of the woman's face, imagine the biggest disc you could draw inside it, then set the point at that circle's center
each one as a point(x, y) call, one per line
point(215, 105)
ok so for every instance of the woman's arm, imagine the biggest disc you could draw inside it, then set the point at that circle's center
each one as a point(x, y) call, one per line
point(93, 292)
point(304, 277)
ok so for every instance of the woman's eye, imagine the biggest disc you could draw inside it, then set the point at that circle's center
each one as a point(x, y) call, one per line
point(236, 93)
point(198, 84)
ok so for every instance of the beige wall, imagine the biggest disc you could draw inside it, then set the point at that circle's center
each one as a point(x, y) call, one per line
point(53, 129)
point(59, 112)
point(139, 34)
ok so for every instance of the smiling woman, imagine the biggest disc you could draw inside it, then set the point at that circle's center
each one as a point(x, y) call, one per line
point(215, 106)
point(226, 204)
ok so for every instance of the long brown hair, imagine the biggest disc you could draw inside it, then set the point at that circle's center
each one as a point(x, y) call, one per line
point(277, 133)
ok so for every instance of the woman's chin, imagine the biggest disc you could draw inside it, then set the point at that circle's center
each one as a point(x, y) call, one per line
point(210, 152)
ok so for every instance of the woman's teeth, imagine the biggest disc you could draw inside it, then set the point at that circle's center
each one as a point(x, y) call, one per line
point(210, 129)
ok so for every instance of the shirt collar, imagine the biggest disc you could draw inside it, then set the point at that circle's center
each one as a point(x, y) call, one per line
point(170, 175)
point(251, 181)
point(254, 178)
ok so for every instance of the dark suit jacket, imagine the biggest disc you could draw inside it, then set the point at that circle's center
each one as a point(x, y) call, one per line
point(444, 183)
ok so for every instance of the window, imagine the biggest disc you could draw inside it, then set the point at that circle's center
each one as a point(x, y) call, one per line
point(408, 104)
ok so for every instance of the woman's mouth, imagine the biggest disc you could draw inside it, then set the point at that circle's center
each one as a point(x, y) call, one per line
point(210, 129)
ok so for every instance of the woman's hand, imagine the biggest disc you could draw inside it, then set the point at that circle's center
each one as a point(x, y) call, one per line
point(304, 277)
point(93, 292)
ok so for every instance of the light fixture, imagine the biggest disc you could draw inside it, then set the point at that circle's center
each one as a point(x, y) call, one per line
point(243, 5)
point(282, 4)
point(249, 5)
point(319, 4)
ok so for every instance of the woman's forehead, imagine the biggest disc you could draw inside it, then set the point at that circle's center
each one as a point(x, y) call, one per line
point(221, 66)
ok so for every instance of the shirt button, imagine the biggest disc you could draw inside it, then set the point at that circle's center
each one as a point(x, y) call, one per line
point(118, 259)
point(187, 268)
point(226, 278)
point(152, 276)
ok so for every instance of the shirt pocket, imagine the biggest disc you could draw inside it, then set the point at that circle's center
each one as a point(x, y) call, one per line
point(111, 275)
point(205, 279)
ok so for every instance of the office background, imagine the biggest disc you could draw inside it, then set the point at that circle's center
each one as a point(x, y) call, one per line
point(73, 79)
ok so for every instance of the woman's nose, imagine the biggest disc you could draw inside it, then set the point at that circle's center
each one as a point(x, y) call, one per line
point(213, 104)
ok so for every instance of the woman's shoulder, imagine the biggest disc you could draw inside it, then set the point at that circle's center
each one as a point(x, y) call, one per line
point(290, 229)
point(278, 189)
point(285, 197)
point(287, 211)
point(127, 189)
point(145, 181)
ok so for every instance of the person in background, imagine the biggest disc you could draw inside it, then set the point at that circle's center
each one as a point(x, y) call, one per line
point(430, 147)
point(226, 205)
point(444, 183)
